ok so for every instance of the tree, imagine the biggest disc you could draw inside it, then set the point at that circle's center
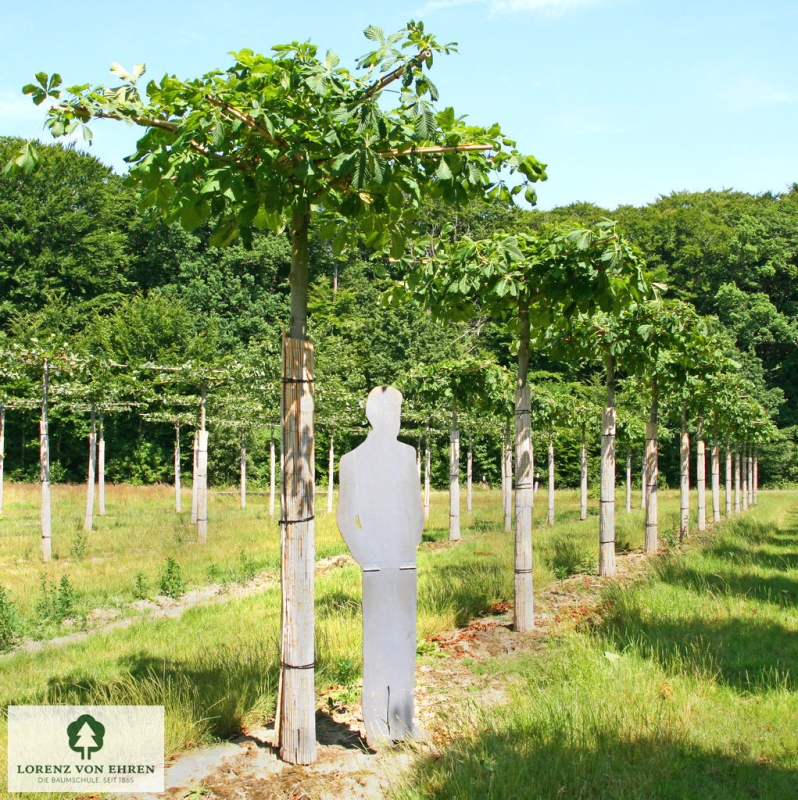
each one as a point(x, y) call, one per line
point(269, 143)
point(662, 334)
point(32, 364)
point(521, 281)
point(471, 380)
point(63, 234)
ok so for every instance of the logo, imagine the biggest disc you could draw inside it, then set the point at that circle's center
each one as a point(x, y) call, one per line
point(85, 736)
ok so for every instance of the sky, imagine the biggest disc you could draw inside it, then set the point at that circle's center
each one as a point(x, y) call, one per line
point(625, 100)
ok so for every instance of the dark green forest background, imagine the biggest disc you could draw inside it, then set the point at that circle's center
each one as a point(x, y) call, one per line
point(77, 260)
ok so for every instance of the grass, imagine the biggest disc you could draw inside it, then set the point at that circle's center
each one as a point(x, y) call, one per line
point(687, 690)
point(215, 668)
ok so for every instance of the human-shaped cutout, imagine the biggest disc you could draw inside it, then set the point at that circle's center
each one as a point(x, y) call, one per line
point(381, 519)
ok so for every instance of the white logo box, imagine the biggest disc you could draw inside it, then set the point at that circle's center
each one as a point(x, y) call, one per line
point(85, 749)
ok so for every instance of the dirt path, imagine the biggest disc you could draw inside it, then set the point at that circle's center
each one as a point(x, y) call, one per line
point(100, 620)
point(248, 768)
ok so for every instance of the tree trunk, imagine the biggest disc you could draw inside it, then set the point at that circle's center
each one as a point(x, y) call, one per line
point(331, 473)
point(750, 475)
point(178, 502)
point(583, 478)
point(243, 490)
point(507, 480)
point(44, 458)
point(607, 492)
point(427, 465)
point(756, 477)
point(728, 479)
point(643, 497)
point(296, 704)
point(101, 468)
point(737, 478)
point(715, 475)
point(202, 477)
point(684, 473)
point(272, 476)
point(524, 617)
point(652, 476)
point(2, 452)
point(194, 479)
point(744, 477)
point(88, 522)
point(628, 478)
point(701, 478)
point(454, 478)
point(296, 733)
point(469, 474)
point(551, 478)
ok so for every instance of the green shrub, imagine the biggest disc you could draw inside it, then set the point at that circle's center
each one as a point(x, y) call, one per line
point(9, 622)
point(79, 544)
point(56, 603)
point(247, 569)
point(565, 556)
point(172, 581)
point(141, 589)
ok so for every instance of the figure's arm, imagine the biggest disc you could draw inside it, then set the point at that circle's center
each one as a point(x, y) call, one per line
point(346, 516)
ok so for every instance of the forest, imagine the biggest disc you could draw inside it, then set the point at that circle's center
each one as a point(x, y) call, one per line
point(82, 267)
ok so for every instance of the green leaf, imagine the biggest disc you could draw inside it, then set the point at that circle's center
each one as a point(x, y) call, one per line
point(331, 60)
point(446, 118)
point(317, 82)
point(118, 69)
point(375, 34)
point(340, 240)
point(532, 169)
point(443, 172)
point(343, 164)
point(138, 71)
point(217, 136)
point(531, 196)
point(425, 124)
point(225, 233)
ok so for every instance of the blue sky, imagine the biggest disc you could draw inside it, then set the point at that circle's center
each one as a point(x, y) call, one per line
point(625, 100)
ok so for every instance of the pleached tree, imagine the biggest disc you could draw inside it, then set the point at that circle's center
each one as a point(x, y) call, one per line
point(465, 383)
point(525, 281)
point(662, 334)
point(279, 142)
point(600, 338)
point(38, 371)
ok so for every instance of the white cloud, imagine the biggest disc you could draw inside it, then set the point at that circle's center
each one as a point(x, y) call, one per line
point(750, 93)
point(553, 7)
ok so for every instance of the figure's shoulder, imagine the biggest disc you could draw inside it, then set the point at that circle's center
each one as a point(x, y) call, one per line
point(407, 450)
point(349, 457)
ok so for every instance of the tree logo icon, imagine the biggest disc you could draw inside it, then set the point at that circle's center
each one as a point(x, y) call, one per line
point(86, 735)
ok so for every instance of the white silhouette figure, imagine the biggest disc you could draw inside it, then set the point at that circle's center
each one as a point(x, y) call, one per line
point(381, 519)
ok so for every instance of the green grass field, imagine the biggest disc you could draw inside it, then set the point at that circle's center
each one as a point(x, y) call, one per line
point(687, 690)
point(215, 668)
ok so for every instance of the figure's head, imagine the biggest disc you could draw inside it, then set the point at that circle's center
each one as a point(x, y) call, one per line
point(384, 409)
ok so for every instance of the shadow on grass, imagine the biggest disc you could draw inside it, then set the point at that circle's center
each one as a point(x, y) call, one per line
point(777, 589)
point(751, 655)
point(742, 645)
point(519, 763)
